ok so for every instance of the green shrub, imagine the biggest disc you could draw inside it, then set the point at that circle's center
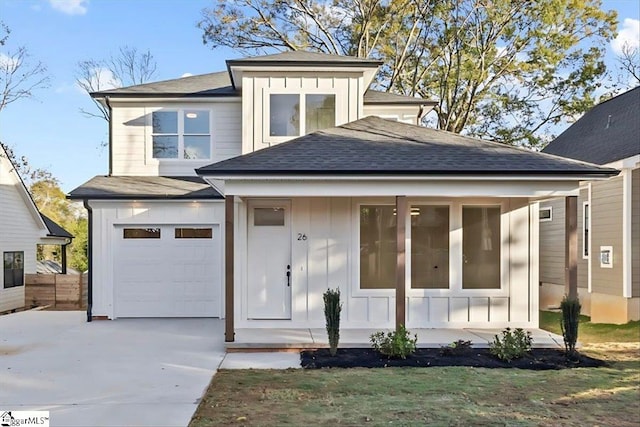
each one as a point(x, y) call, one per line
point(456, 348)
point(397, 344)
point(569, 323)
point(332, 309)
point(512, 345)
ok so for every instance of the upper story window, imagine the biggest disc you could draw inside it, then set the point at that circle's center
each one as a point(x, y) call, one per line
point(181, 134)
point(295, 114)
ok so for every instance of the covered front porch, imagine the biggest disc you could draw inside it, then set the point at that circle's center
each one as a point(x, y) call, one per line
point(278, 339)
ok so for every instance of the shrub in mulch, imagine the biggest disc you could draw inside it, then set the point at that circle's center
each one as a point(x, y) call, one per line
point(537, 359)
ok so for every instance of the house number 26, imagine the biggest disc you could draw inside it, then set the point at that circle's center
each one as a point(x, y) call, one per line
point(302, 236)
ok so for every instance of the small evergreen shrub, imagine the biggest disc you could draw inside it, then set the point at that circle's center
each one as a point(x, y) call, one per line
point(332, 309)
point(569, 323)
point(456, 348)
point(512, 345)
point(396, 344)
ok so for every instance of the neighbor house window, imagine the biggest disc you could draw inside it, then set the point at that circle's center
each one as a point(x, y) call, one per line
point(295, 115)
point(586, 225)
point(377, 247)
point(430, 247)
point(193, 233)
point(13, 269)
point(181, 134)
point(481, 247)
point(546, 214)
point(141, 233)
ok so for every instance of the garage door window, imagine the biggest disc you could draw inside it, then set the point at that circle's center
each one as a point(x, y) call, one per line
point(141, 233)
point(194, 233)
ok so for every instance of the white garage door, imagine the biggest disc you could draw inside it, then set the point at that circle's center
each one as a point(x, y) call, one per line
point(167, 271)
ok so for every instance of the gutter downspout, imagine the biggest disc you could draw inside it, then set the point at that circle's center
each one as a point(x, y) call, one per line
point(106, 100)
point(89, 259)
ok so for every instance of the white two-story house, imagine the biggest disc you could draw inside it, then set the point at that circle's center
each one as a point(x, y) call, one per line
point(245, 194)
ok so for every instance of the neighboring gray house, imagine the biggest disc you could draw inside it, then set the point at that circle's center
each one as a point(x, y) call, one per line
point(608, 214)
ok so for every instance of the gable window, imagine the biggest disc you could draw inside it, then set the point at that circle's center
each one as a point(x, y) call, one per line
point(13, 269)
point(430, 247)
point(377, 247)
point(586, 225)
point(480, 247)
point(545, 214)
point(181, 134)
point(295, 115)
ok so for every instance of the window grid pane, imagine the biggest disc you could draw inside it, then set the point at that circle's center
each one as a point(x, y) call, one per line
point(193, 233)
point(481, 247)
point(165, 147)
point(320, 112)
point(377, 247)
point(268, 217)
point(164, 122)
point(430, 247)
point(196, 122)
point(284, 117)
point(141, 233)
point(197, 147)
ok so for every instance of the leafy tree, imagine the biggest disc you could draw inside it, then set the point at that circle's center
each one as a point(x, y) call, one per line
point(127, 67)
point(19, 75)
point(502, 69)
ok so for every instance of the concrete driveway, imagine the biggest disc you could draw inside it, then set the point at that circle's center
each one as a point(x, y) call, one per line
point(128, 372)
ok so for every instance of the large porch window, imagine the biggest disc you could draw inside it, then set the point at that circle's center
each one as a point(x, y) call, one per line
point(377, 247)
point(481, 247)
point(430, 247)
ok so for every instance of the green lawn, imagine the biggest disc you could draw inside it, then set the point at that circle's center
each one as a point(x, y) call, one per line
point(593, 332)
point(440, 396)
point(428, 396)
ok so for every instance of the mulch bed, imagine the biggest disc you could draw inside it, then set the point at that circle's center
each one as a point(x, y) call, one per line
point(538, 359)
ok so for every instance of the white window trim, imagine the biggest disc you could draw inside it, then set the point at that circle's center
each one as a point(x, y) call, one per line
point(266, 120)
point(586, 243)
point(455, 249)
point(181, 113)
point(546, 208)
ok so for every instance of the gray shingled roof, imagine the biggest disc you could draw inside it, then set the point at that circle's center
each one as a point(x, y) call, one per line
point(55, 230)
point(376, 146)
point(304, 58)
point(212, 84)
point(219, 85)
point(608, 132)
point(144, 188)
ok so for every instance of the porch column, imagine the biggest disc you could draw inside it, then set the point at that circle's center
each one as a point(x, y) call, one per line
point(229, 212)
point(571, 246)
point(401, 214)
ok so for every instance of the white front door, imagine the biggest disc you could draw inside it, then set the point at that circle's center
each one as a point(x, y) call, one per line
point(269, 277)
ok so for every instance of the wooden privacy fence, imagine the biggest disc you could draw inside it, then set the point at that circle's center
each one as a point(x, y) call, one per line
point(62, 291)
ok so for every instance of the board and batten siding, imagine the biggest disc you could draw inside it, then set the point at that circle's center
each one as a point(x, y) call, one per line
point(257, 87)
point(108, 215)
point(19, 232)
point(329, 259)
point(635, 232)
point(552, 243)
point(606, 226)
point(131, 138)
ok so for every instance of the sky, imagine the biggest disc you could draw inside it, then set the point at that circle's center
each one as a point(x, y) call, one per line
point(50, 130)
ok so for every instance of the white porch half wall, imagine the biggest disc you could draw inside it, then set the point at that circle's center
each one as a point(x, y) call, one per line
point(329, 258)
point(109, 218)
